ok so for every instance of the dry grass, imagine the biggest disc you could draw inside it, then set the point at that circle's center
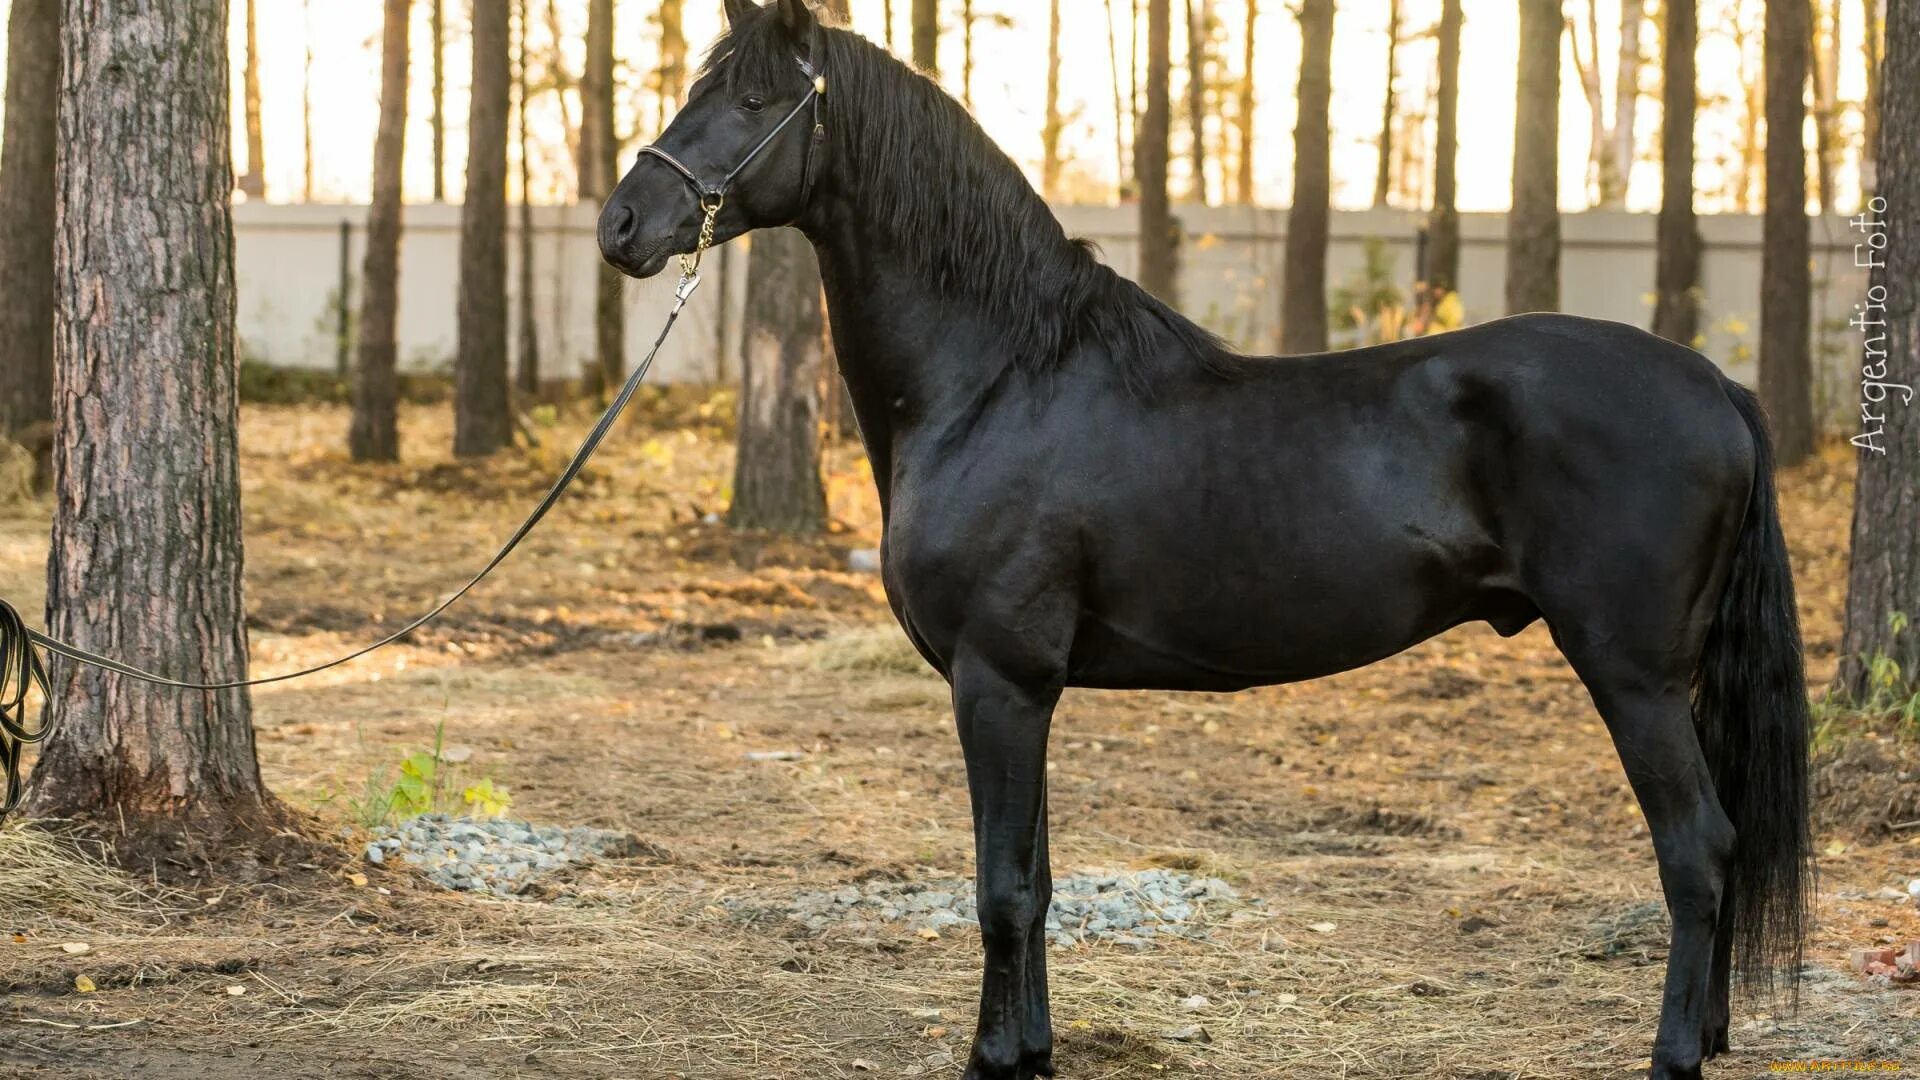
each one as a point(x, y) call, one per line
point(61, 878)
point(16, 474)
point(879, 650)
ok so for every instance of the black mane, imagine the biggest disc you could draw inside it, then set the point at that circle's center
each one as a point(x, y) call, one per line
point(987, 236)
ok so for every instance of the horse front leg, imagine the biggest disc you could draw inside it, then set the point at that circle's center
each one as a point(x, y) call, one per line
point(1003, 725)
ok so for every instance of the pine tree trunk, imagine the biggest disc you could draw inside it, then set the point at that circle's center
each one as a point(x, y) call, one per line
point(776, 479)
point(147, 559)
point(1443, 226)
point(528, 370)
point(1884, 578)
point(1626, 101)
point(1383, 174)
point(926, 37)
point(673, 57)
point(1197, 22)
point(1870, 43)
point(374, 434)
point(438, 25)
point(966, 53)
point(1825, 57)
point(1786, 285)
point(1243, 114)
point(1533, 225)
point(1676, 313)
point(1303, 292)
point(1052, 126)
point(254, 183)
point(1150, 152)
point(482, 419)
point(27, 220)
point(306, 102)
point(599, 154)
point(1122, 167)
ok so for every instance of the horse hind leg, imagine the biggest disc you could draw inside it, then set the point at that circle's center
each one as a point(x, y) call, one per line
point(1649, 715)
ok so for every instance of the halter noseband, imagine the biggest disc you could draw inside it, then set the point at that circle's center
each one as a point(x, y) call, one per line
point(712, 196)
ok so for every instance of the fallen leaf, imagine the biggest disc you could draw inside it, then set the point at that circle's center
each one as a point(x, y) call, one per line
point(83, 984)
point(1323, 927)
point(722, 732)
point(359, 880)
point(19, 939)
point(863, 1065)
point(457, 754)
point(936, 1032)
point(75, 948)
point(236, 991)
point(930, 933)
point(926, 1014)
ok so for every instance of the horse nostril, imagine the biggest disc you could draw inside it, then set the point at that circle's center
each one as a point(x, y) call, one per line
point(617, 224)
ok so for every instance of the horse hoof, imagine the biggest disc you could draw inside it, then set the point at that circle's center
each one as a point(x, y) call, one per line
point(1713, 1041)
point(1668, 1071)
point(1037, 1065)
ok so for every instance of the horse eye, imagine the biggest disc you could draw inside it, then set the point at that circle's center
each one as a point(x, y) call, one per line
point(753, 103)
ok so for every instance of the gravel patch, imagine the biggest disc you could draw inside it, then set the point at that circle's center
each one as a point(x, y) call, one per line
point(491, 855)
point(1129, 909)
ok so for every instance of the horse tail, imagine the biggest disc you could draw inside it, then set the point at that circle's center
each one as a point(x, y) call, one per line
point(1750, 703)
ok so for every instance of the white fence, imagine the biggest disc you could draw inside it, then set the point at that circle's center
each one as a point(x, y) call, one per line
point(291, 269)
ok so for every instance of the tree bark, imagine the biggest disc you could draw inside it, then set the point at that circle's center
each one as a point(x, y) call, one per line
point(1626, 101)
point(374, 433)
point(776, 479)
point(1303, 292)
point(1786, 277)
point(27, 219)
point(1533, 225)
point(1883, 579)
point(527, 372)
point(1676, 312)
point(1383, 174)
point(1443, 226)
point(147, 558)
point(254, 183)
point(1052, 125)
point(1243, 114)
point(438, 28)
point(1150, 153)
point(483, 422)
point(1870, 108)
point(1198, 20)
point(926, 37)
point(598, 171)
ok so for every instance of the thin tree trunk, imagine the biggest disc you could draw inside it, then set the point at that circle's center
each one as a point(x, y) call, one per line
point(1825, 56)
point(887, 15)
point(1533, 225)
point(1157, 241)
point(1870, 108)
point(926, 37)
point(1599, 158)
point(1198, 19)
point(1303, 293)
point(1383, 175)
point(147, 558)
point(1676, 313)
point(673, 57)
point(306, 102)
point(1626, 101)
point(374, 433)
point(599, 153)
point(1443, 227)
point(254, 183)
point(1754, 106)
point(562, 81)
point(776, 480)
point(1121, 167)
point(1883, 580)
point(1050, 131)
point(483, 421)
point(966, 53)
point(528, 370)
point(1243, 115)
point(27, 221)
point(438, 28)
point(1786, 285)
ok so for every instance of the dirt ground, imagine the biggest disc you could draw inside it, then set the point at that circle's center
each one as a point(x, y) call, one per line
point(1456, 880)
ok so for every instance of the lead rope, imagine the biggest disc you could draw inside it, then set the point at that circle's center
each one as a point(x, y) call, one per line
point(23, 671)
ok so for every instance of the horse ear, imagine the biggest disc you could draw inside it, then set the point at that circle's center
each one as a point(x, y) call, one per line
point(798, 17)
point(737, 10)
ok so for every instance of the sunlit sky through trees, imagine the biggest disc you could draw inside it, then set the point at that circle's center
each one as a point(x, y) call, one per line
point(1009, 92)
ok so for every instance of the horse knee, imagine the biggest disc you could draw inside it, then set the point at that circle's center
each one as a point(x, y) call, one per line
point(1008, 909)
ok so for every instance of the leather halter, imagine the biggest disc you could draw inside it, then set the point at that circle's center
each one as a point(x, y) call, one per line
point(712, 196)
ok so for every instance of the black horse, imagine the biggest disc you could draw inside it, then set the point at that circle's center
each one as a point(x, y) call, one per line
point(1082, 488)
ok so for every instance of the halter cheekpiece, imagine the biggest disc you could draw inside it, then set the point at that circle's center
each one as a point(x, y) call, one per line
point(713, 196)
